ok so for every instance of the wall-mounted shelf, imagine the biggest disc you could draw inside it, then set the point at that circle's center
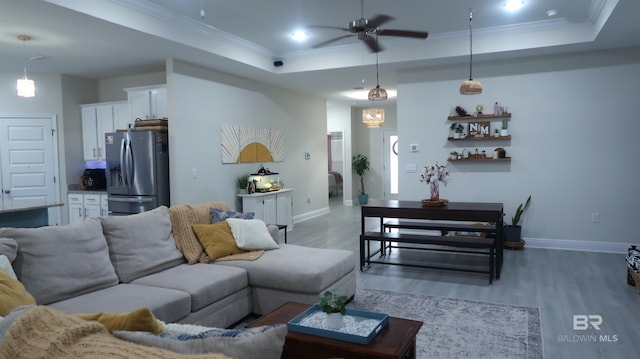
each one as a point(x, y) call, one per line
point(485, 138)
point(485, 159)
point(479, 117)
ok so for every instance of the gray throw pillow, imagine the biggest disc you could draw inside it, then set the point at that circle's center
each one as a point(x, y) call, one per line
point(60, 262)
point(264, 342)
point(218, 215)
point(141, 244)
point(9, 248)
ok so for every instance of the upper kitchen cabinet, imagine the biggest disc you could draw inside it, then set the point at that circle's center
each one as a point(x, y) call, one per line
point(98, 119)
point(149, 102)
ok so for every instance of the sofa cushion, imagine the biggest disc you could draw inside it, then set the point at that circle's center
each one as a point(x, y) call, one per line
point(205, 283)
point(264, 342)
point(141, 244)
point(168, 305)
point(59, 262)
point(298, 269)
point(183, 217)
point(251, 234)
point(140, 320)
point(217, 239)
point(218, 215)
point(12, 294)
point(9, 248)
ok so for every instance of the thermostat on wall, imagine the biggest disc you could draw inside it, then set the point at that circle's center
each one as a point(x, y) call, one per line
point(307, 155)
point(413, 147)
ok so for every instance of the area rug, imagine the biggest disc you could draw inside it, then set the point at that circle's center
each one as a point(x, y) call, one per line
point(459, 328)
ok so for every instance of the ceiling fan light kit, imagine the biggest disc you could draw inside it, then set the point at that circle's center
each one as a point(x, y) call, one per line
point(470, 86)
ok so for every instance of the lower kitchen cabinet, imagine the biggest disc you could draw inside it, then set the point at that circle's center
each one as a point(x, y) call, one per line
point(86, 205)
point(272, 207)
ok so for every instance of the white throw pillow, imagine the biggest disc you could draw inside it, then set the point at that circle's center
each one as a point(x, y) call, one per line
point(251, 234)
point(5, 265)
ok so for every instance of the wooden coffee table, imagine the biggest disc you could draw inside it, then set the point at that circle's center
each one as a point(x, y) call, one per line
point(396, 340)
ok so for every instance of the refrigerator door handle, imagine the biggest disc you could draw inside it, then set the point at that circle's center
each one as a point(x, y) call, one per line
point(129, 162)
point(123, 170)
point(130, 199)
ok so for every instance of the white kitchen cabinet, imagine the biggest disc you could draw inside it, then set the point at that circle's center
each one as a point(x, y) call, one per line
point(148, 102)
point(91, 206)
point(98, 119)
point(86, 205)
point(272, 207)
point(76, 208)
point(104, 205)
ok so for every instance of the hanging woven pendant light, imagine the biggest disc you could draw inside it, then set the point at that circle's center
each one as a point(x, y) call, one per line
point(470, 86)
point(377, 93)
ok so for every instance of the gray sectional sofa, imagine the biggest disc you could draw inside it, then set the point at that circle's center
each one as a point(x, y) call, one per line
point(122, 263)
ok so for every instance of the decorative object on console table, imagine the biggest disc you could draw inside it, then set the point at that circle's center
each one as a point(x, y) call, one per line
point(513, 232)
point(433, 175)
point(360, 165)
point(243, 183)
point(334, 306)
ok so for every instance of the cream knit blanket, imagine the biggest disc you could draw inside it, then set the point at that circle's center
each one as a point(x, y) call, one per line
point(43, 332)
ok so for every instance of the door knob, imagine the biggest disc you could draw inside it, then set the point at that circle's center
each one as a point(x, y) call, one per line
point(7, 191)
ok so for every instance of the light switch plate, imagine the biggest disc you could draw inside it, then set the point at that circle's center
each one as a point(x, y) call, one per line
point(410, 168)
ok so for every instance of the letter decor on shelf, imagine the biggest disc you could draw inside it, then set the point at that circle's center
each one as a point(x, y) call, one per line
point(479, 129)
point(250, 145)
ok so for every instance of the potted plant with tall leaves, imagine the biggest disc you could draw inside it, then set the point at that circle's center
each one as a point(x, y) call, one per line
point(360, 165)
point(513, 231)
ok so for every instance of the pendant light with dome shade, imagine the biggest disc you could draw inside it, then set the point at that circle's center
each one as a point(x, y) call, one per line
point(470, 86)
point(377, 93)
point(26, 86)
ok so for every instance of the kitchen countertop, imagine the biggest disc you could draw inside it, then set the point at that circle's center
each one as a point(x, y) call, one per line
point(9, 205)
point(86, 191)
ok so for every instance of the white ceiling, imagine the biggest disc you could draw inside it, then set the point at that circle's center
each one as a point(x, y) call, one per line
point(105, 38)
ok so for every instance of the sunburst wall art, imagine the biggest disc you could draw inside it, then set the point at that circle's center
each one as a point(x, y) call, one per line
point(250, 145)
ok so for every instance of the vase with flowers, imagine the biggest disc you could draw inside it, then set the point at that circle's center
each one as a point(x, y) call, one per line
point(432, 175)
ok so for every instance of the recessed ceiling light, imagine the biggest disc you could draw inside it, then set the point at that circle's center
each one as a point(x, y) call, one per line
point(299, 36)
point(552, 12)
point(513, 5)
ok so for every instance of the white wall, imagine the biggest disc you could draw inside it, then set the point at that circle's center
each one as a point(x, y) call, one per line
point(574, 145)
point(201, 100)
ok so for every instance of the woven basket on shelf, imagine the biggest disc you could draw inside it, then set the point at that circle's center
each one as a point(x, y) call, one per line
point(636, 278)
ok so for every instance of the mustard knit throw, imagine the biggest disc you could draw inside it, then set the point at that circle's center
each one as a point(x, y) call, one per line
point(43, 332)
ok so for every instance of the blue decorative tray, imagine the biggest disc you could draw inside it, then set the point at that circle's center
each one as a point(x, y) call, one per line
point(359, 326)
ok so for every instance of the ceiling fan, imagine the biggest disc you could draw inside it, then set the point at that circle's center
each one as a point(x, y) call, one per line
point(368, 29)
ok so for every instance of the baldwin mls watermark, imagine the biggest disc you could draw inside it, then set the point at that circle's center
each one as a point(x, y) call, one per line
point(591, 323)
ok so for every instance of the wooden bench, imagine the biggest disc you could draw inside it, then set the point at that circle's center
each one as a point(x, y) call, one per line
point(444, 243)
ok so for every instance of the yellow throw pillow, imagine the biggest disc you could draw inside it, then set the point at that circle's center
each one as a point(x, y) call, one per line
point(141, 320)
point(12, 294)
point(217, 239)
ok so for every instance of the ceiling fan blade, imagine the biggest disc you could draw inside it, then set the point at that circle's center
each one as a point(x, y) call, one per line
point(378, 20)
point(403, 33)
point(325, 43)
point(372, 44)
point(327, 27)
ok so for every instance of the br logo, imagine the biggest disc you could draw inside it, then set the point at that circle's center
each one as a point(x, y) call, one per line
point(583, 321)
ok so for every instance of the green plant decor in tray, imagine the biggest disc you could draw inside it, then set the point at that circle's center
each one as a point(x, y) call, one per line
point(331, 302)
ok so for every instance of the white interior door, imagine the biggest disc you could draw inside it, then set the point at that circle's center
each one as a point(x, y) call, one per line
point(27, 157)
point(390, 154)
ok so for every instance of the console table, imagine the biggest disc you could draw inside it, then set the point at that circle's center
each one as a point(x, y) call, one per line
point(445, 218)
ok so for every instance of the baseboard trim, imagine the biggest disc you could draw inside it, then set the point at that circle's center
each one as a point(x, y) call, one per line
point(309, 215)
point(573, 245)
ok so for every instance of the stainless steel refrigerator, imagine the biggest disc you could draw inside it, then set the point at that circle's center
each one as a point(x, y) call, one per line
point(137, 171)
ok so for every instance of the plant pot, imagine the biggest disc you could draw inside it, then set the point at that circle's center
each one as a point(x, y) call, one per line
point(335, 320)
point(456, 135)
point(363, 198)
point(242, 191)
point(512, 233)
point(504, 132)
